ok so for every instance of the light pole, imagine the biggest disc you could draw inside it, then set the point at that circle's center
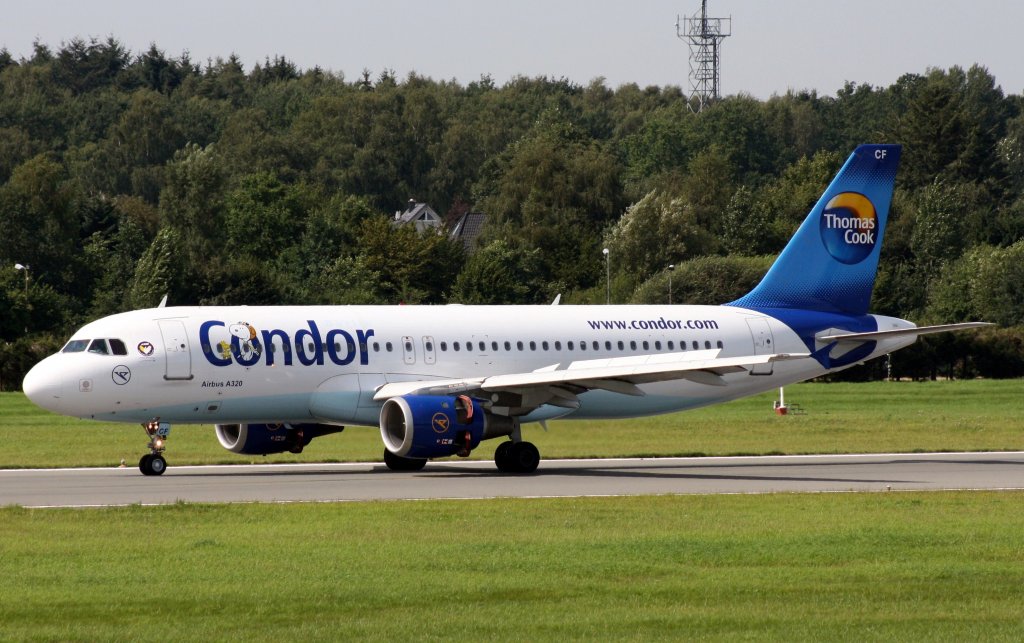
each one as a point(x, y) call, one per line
point(19, 266)
point(671, 267)
point(607, 278)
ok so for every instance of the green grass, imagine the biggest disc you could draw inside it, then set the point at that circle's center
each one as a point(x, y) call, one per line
point(899, 566)
point(975, 415)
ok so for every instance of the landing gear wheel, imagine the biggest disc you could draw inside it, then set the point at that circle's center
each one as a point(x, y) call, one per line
point(516, 457)
point(525, 457)
point(501, 457)
point(398, 463)
point(152, 464)
point(157, 465)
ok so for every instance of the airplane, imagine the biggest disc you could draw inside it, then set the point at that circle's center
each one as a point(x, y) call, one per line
point(438, 380)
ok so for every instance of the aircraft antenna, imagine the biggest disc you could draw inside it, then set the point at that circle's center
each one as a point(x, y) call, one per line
point(704, 37)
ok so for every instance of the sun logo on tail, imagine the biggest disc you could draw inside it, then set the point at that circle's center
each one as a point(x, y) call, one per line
point(849, 227)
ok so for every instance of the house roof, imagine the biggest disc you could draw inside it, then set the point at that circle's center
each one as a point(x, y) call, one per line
point(421, 213)
point(468, 228)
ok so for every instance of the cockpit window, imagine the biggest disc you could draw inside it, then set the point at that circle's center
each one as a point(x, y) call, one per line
point(117, 347)
point(99, 346)
point(75, 346)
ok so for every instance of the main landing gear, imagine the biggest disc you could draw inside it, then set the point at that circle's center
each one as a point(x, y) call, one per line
point(153, 463)
point(398, 463)
point(516, 457)
point(509, 457)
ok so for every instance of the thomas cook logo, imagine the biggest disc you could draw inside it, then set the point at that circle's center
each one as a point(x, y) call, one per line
point(849, 227)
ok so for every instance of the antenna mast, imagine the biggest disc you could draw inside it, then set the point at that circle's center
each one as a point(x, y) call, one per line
point(704, 37)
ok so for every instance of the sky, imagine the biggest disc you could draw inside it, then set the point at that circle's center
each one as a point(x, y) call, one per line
point(775, 46)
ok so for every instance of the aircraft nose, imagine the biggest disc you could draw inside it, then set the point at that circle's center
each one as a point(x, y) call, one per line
point(43, 384)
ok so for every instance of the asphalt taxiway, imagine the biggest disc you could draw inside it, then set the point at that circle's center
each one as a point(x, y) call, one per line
point(470, 479)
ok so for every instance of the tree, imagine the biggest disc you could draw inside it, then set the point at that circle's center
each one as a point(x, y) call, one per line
point(158, 272)
point(654, 232)
point(500, 274)
point(707, 280)
point(414, 268)
point(192, 201)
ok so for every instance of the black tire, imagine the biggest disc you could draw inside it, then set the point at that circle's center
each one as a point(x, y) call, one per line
point(144, 464)
point(157, 465)
point(502, 457)
point(398, 463)
point(524, 457)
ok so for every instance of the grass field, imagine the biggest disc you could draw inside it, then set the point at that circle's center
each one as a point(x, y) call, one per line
point(876, 417)
point(885, 566)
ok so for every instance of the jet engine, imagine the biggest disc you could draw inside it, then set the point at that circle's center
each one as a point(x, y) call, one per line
point(430, 426)
point(264, 439)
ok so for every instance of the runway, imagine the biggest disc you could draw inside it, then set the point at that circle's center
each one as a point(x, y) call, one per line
point(554, 478)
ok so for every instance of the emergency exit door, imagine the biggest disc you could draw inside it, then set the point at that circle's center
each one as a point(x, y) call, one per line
point(176, 352)
point(761, 333)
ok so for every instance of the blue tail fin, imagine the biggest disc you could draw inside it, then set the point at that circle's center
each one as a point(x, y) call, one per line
point(830, 263)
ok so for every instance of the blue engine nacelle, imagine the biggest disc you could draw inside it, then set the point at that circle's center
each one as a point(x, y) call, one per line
point(264, 439)
point(433, 426)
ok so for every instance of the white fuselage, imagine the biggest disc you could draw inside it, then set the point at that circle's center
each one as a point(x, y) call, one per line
point(324, 363)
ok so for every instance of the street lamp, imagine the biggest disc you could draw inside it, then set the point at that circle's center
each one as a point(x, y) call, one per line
point(607, 278)
point(671, 267)
point(19, 266)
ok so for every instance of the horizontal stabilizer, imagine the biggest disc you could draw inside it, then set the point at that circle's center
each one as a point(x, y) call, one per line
point(903, 332)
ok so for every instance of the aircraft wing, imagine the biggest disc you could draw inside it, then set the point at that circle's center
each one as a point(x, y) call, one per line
point(557, 385)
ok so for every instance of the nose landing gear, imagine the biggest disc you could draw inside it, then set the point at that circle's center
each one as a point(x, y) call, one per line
point(153, 463)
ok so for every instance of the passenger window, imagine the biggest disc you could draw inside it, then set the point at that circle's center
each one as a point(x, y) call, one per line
point(632, 345)
point(408, 347)
point(494, 346)
point(671, 346)
point(483, 347)
point(707, 344)
point(76, 346)
point(444, 347)
point(99, 346)
point(455, 346)
point(696, 346)
point(583, 346)
point(544, 345)
point(508, 345)
point(387, 347)
point(117, 347)
point(720, 344)
point(607, 345)
point(519, 345)
point(376, 347)
point(558, 346)
point(621, 346)
point(647, 346)
point(533, 346)
point(430, 346)
point(569, 345)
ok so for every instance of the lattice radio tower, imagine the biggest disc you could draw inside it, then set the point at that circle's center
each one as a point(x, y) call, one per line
point(704, 36)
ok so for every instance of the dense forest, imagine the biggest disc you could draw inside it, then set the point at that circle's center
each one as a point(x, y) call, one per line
point(127, 176)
